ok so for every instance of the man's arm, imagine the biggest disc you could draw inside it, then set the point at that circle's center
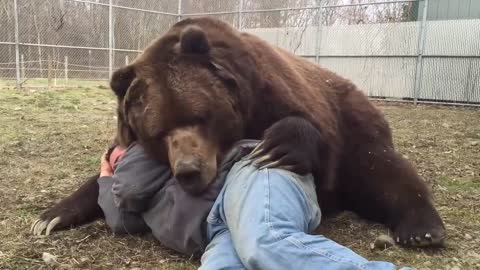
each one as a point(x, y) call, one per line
point(119, 220)
point(125, 193)
point(136, 180)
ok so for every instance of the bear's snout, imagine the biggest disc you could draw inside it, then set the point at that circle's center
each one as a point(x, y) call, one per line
point(188, 173)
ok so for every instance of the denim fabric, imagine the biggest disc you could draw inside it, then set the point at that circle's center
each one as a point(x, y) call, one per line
point(262, 220)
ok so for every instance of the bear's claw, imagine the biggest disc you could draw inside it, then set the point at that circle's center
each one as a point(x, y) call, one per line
point(432, 237)
point(255, 152)
point(39, 226)
point(263, 160)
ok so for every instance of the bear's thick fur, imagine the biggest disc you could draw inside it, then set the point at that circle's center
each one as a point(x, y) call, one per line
point(233, 85)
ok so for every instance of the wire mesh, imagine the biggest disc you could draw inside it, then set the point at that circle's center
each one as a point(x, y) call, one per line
point(167, 6)
point(7, 22)
point(373, 45)
point(67, 23)
point(293, 30)
point(7, 50)
point(451, 61)
point(136, 32)
point(7, 65)
point(384, 46)
point(54, 66)
point(123, 58)
point(265, 4)
point(195, 6)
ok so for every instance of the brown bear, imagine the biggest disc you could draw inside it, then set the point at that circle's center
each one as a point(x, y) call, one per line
point(233, 86)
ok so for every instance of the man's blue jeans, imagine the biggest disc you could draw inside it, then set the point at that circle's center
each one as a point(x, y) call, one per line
point(262, 220)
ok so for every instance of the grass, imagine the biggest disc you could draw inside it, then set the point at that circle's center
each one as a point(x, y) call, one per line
point(51, 140)
point(43, 83)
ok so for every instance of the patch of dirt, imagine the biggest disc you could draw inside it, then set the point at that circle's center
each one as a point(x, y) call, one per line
point(52, 140)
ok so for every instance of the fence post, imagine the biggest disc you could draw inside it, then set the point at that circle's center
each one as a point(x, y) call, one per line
point(319, 32)
point(421, 47)
point(240, 13)
point(90, 63)
point(17, 46)
point(110, 38)
point(49, 80)
point(66, 69)
point(55, 68)
point(126, 60)
point(22, 64)
point(179, 13)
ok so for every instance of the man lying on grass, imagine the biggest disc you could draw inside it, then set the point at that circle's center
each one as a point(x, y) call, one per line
point(248, 218)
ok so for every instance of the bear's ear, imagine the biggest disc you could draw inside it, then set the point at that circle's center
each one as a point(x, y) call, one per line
point(194, 41)
point(121, 80)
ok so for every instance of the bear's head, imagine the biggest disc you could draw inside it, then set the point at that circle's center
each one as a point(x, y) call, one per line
point(198, 74)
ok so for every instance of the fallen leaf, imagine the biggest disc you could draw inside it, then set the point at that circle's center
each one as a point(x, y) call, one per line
point(49, 258)
point(383, 242)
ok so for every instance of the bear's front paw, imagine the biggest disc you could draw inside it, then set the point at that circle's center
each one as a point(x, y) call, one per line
point(291, 144)
point(49, 220)
point(420, 230)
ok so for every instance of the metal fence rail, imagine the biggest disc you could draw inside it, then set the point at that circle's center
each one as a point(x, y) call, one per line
point(392, 49)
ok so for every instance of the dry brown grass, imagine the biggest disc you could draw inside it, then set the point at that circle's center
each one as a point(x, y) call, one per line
point(51, 140)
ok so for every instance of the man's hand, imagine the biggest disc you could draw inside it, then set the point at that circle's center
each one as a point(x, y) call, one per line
point(107, 165)
point(105, 168)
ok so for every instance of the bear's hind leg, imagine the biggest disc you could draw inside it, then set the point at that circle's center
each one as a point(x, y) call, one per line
point(381, 185)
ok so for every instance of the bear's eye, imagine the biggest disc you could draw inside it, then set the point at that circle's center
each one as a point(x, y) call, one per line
point(225, 76)
point(214, 66)
point(230, 83)
point(191, 121)
point(203, 119)
point(200, 120)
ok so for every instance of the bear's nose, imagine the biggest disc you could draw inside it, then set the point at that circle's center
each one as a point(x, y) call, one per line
point(187, 172)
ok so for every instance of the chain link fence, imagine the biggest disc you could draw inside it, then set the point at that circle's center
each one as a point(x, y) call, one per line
point(410, 50)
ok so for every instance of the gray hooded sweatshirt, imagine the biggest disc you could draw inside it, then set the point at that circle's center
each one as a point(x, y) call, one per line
point(142, 196)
